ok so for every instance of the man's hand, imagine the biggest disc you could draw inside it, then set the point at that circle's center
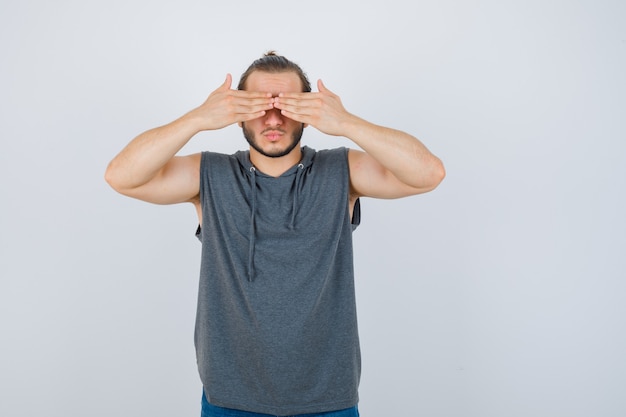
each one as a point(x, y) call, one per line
point(225, 106)
point(322, 110)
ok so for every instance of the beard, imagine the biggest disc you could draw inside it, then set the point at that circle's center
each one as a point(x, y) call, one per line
point(277, 153)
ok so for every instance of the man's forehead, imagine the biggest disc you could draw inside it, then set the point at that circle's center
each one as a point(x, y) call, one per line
point(274, 82)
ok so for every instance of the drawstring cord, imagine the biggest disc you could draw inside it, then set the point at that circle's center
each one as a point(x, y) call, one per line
point(296, 195)
point(252, 231)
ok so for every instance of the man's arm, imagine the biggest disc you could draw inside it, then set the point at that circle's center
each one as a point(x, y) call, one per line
point(394, 164)
point(147, 167)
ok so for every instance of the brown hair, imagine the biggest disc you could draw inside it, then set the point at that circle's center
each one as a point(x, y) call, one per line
point(273, 63)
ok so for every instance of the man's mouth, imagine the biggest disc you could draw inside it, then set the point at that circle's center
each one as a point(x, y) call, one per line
point(273, 135)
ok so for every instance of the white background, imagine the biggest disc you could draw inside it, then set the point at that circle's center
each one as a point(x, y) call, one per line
point(501, 293)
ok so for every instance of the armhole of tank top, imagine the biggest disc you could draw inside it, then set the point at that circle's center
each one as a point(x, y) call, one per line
point(198, 233)
point(355, 221)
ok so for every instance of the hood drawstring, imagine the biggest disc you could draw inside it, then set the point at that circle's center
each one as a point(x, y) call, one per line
point(296, 194)
point(252, 225)
point(244, 159)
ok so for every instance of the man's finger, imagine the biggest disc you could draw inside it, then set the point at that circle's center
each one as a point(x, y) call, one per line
point(227, 82)
point(321, 87)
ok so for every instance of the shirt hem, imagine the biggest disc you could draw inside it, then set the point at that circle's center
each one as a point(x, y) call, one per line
point(289, 410)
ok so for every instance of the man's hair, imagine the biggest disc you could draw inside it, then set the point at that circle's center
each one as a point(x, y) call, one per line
point(274, 63)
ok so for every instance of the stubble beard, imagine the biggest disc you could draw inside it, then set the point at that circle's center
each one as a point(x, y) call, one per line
point(295, 140)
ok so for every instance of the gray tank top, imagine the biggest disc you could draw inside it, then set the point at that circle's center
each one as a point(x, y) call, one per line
point(276, 327)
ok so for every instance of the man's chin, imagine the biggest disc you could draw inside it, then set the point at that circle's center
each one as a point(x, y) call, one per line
point(274, 151)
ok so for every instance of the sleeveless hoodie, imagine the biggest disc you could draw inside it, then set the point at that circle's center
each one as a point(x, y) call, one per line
point(276, 327)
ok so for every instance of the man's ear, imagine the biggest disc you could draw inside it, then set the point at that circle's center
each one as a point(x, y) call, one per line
point(240, 124)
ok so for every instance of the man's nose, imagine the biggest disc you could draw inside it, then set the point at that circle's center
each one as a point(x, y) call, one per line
point(273, 117)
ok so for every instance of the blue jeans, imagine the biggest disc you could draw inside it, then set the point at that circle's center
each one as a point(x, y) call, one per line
point(210, 410)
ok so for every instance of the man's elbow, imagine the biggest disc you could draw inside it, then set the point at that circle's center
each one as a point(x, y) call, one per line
point(112, 177)
point(436, 175)
point(440, 173)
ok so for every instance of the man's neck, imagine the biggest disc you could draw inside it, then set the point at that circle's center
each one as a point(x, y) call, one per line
point(275, 167)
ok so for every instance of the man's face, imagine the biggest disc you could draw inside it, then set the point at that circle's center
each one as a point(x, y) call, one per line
point(273, 135)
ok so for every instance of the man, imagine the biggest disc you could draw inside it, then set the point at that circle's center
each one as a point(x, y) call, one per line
point(276, 331)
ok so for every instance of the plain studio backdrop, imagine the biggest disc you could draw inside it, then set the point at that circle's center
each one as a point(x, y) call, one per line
point(501, 293)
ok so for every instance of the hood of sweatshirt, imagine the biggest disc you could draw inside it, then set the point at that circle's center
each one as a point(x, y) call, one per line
point(292, 177)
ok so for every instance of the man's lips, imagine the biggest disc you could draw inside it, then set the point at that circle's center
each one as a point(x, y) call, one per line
point(273, 135)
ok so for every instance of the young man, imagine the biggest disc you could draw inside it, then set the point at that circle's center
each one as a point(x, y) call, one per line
point(276, 331)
